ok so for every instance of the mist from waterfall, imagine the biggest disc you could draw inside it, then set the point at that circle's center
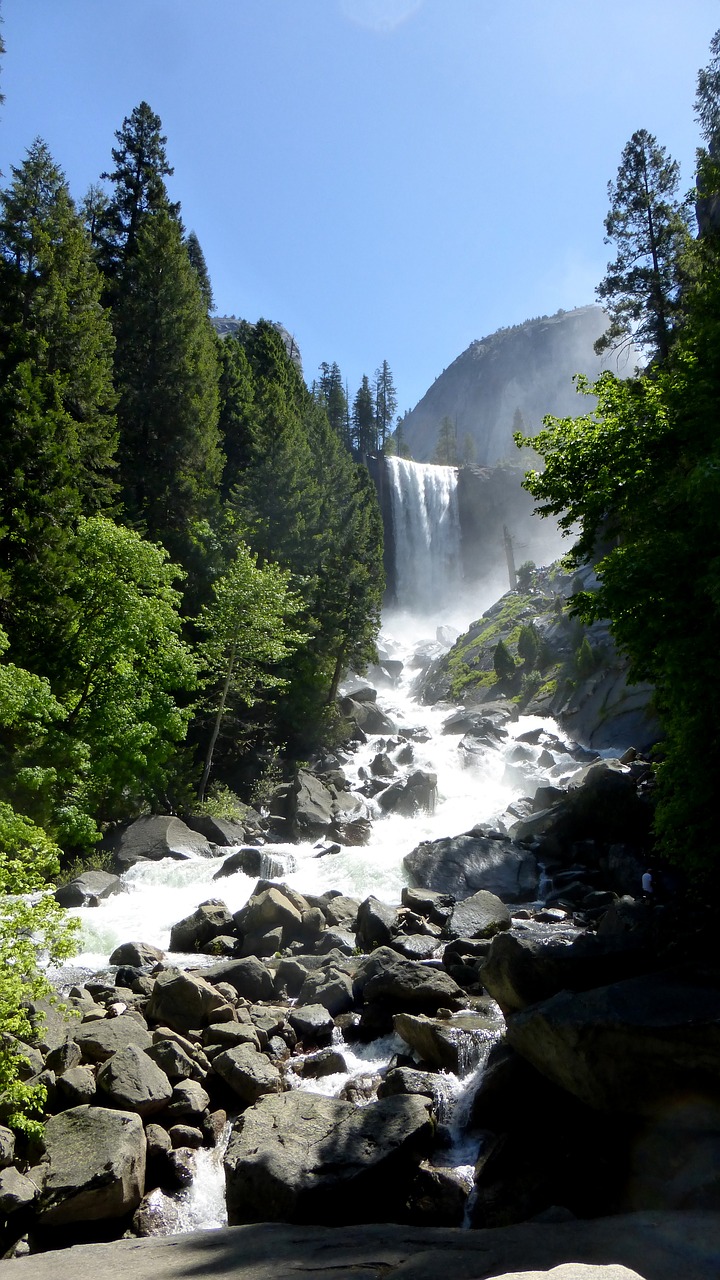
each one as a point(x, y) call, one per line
point(426, 531)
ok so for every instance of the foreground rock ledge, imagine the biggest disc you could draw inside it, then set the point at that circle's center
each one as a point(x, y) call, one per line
point(657, 1246)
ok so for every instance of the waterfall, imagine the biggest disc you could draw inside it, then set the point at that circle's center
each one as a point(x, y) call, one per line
point(426, 533)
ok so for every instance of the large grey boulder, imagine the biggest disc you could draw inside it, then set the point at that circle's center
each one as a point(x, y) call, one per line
point(137, 954)
point(157, 836)
point(518, 972)
point(375, 923)
point(300, 1157)
point(99, 1040)
point(249, 1073)
point(95, 1166)
point(448, 1044)
point(638, 1047)
point(480, 916)
point(405, 985)
point(206, 922)
point(226, 831)
point(248, 976)
point(132, 1081)
point(183, 1001)
point(88, 889)
point(460, 865)
point(415, 795)
point(367, 716)
point(16, 1192)
point(311, 806)
point(254, 860)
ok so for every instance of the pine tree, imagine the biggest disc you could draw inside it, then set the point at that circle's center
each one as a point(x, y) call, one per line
point(445, 454)
point(364, 430)
point(167, 376)
point(385, 402)
point(648, 225)
point(199, 266)
point(138, 177)
point(330, 393)
point(237, 401)
point(57, 425)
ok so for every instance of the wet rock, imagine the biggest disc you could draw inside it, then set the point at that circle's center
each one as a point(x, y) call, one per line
point(88, 889)
point(185, 1135)
point(381, 766)
point(326, 1062)
point(253, 861)
point(448, 1044)
point(367, 716)
point(416, 795)
point(438, 1197)
point(340, 910)
point(311, 806)
point(311, 1023)
point(461, 865)
point(336, 940)
point(414, 946)
point(95, 1166)
point(301, 1157)
point(158, 1214)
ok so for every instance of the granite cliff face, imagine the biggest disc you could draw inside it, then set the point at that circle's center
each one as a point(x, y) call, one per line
point(528, 367)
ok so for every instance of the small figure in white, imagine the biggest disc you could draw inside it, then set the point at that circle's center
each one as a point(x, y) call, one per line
point(647, 885)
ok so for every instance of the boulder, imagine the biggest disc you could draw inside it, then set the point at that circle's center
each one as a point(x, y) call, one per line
point(311, 806)
point(247, 976)
point(435, 906)
point(268, 910)
point(417, 794)
point(75, 1087)
point(158, 1214)
point(448, 1044)
point(366, 715)
point(638, 1047)
point(460, 865)
point(405, 985)
point(248, 1073)
point(95, 1166)
point(311, 1023)
point(88, 889)
point(189, 1099)
point(157, 836)
point(183, 1001)
point(518, 972)
point(253, 861)
point(133, 1082)
point(138, 954)
point(226, 831)
point(480, 916)
point(99, 1040)
point(7, 1147)
point(208, 921)
point(329, 988)
point(16, 1192)
point(300, 1157)
point(175, 1061)
point(414, 946)
point(375, 922)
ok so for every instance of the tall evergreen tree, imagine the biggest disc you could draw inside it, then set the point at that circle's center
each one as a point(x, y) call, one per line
point(57, 425)
point(648, 224)
point(237, 399)
point(385, 402)
point(199, 266)
point(138, 177)
point(364, 430)
point(446, 451)
point(330, 393)
point(167, 375)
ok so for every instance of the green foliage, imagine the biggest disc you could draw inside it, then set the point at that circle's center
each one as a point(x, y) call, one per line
point(167, 377)
point(446, 451)
point(528, 645)
point(585, 659)
point(249, 632)
point(524, 576)
point(29, 931)
point(503, 662)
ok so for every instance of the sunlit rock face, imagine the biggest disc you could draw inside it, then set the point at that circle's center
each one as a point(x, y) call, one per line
point(509, 381)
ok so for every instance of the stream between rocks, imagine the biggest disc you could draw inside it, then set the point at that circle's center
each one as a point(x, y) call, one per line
point(477, 781)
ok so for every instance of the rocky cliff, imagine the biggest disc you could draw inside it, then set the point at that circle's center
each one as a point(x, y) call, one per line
point(527, 370)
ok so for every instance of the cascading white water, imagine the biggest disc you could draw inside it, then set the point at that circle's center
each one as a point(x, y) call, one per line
point(426, 532)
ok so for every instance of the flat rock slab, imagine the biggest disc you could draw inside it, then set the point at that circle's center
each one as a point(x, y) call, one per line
point(656, 1246)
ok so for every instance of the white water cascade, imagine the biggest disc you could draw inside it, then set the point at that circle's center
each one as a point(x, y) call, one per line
point(471, 788)
point(426, 532)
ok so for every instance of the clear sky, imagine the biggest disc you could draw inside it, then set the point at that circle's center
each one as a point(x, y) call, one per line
point(390, 179)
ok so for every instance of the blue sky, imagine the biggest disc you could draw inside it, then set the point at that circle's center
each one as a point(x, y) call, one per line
point(391, 179)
